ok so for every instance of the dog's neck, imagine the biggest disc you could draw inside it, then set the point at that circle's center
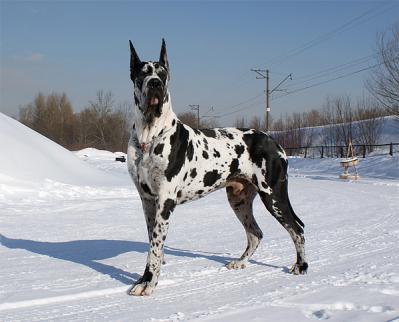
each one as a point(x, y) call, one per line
point(147, 132)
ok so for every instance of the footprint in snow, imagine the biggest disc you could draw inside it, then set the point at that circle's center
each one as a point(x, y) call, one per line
point(319, 315)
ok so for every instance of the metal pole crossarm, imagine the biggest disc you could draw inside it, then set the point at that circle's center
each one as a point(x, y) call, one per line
point(276, 88)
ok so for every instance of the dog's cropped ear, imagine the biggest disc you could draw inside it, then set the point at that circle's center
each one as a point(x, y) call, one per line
point(163, 57)
point(134, 62)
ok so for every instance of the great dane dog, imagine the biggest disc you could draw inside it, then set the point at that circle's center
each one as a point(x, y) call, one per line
point(171, 163)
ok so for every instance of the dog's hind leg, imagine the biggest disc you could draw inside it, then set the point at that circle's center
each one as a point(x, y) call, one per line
point(241, 195)
point(281, 209)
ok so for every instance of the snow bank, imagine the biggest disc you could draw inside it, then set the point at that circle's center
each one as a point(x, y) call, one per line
point(29, 156)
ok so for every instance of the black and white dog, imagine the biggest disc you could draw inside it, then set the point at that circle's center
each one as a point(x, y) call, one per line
point(171, 163)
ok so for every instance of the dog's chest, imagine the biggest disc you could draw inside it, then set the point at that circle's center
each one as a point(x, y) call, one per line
point(146, 165)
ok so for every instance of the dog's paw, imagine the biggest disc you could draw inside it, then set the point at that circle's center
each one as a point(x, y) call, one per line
point(299, 269)
point(142, 289)
point(236, 265)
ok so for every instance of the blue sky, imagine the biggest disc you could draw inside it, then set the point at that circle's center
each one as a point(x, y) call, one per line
point(79, 47)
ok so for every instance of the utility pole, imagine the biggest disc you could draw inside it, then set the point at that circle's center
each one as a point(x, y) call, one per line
point(264, 74)
point(196, 107)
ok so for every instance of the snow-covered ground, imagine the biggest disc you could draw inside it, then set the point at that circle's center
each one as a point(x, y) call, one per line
point(71, 247)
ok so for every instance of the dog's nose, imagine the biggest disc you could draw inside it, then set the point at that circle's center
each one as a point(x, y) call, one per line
point(154, 83)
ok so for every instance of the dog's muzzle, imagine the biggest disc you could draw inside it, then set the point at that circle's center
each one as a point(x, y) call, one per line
point(154, 98)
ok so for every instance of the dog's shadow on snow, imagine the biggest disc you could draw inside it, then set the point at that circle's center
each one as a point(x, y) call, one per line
point(90, 252)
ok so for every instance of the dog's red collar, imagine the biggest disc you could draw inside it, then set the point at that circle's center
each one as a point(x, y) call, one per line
point(142, 147)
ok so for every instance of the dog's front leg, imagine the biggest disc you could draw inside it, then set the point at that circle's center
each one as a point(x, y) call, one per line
point(147, 283)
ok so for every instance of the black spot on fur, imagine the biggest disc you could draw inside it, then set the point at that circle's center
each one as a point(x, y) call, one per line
point(147, 276)
point(146, 188)
point(159, 148)
point(205, 154)
point(226, 134)
point(193, 173)
point(168, 207)
point(190, 151)
point(154, 235)
point(185, 176)
point(303, 267)
point(216, 153)
point(209, 133)
point(179, 143)
point(173, 122)
point(260, 146)
point(239, 150)
point(264, 185)
point(254, 180)
point(211, 177)
point(199, 192)
point(263, 195)
point(234, 167)
point(206, 144)
point(179, 194)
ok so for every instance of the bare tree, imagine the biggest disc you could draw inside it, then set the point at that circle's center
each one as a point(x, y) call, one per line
point(240, 123)
point(209, 122)
point(384, 80)
point(343, 119)
point(256, 123)
point(369, 125)
point(85, 129)
point(188, 118)
point(101, 109)
point(125, 116)
point(51, 116)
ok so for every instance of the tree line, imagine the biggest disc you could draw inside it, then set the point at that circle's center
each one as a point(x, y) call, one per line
point(341, 118)
point(103, 124)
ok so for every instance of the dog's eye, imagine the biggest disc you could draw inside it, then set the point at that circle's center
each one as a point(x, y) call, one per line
point(156, 65)
point(162, 75)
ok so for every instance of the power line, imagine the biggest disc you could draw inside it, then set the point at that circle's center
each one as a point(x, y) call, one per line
point(327, 81)
point(239, 110)
point(326, 36)
point(334, 69)
point(243, 102)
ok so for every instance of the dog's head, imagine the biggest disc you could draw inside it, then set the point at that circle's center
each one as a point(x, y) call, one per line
point(150, 81)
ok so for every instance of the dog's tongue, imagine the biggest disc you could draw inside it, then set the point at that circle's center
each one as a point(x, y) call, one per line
point(154, 101)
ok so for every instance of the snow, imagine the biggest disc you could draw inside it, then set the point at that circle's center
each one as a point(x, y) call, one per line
point(73, 240)
point(29, 156)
